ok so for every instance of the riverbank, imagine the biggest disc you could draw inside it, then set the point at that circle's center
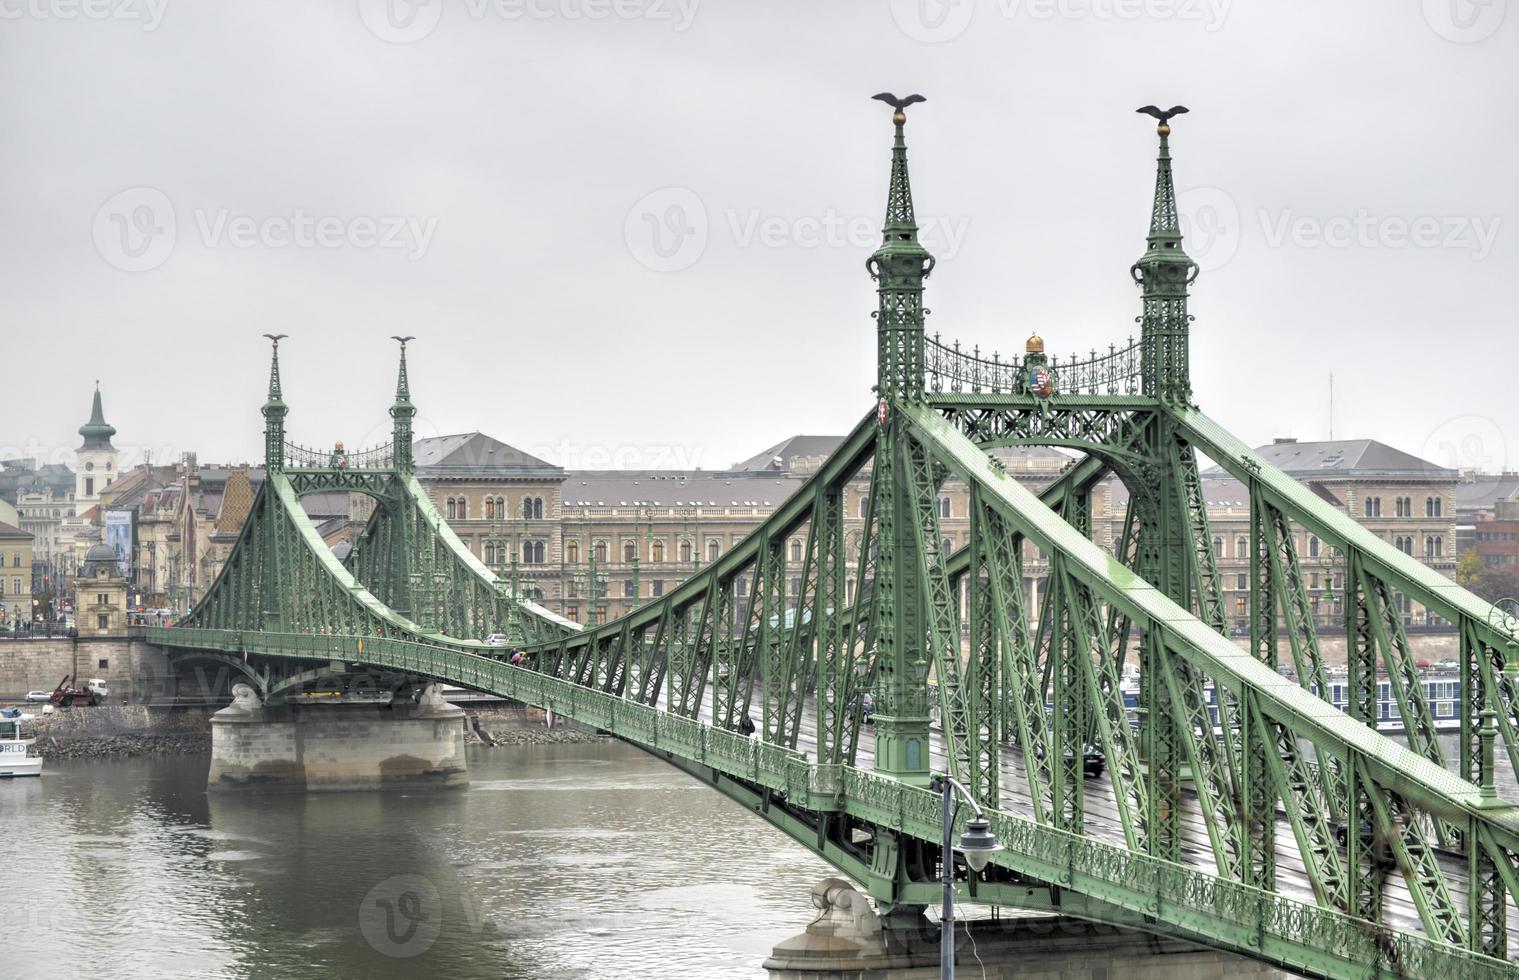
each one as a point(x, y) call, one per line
point(515, 724)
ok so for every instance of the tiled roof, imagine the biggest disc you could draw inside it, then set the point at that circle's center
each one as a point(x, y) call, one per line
point(474, 453)
point(1345, 458)
point(13, 533)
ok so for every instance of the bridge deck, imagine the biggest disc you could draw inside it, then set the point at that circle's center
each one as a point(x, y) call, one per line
point(1103, 822)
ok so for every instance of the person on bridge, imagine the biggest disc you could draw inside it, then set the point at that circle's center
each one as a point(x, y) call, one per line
point(746, 727)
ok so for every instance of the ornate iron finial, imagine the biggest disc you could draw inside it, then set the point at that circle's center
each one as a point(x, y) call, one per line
point(899, 117)
point(1163, 274)
point(899, 267)
point(402, 412)
point(274, 410)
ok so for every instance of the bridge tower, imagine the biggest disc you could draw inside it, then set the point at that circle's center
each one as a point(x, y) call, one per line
point(899, 267)
point(402, 411)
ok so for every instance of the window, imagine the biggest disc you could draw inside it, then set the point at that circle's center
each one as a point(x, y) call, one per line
point(599, 552)
point(796, 550)
point(1241, 605)
point(1242, 584)
point(572, 552)
point(629, 551)
point(490, 508)
point(16, 559)
point(685, 551)
point(1432, 506)
point(572, 612)
point(1218, 547)
point(1372, 506)
point(100, 599)
point(657, 588)
point(1313, 546)
point(104, 664)
point(1240, 549)
point(713, 550)
point(490, 551)
point(527, 508)
point(864, 505)
point(944, 508)
point(1434, 547)
point(532, 552)
point(627, 589)
point(89, 491)
point(796, 586)
point(946, 546)
point(657, 551)
point(103, 621)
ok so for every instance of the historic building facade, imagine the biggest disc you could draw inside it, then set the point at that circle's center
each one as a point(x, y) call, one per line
point(15, 574)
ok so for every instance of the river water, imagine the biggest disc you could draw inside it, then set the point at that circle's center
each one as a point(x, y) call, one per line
point(591, 860)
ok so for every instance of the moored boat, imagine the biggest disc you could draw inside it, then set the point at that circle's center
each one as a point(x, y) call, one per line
point(18, 749)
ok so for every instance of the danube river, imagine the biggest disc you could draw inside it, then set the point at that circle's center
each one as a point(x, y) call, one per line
point(589, 860)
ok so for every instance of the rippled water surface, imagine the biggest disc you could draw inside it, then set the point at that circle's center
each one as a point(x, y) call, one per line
point(558, 861)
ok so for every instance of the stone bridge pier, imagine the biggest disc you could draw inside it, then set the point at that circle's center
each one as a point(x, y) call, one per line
point(337, 746)
point(849, 941)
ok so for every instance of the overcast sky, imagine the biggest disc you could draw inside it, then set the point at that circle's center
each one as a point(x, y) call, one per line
point(635, 231)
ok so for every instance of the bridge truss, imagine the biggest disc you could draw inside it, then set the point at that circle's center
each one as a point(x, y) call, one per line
point(1287, 830)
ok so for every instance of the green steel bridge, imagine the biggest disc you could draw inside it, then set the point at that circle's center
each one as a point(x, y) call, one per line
point(1290, 831)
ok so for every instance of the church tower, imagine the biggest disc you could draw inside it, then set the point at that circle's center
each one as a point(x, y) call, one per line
point(95, 462)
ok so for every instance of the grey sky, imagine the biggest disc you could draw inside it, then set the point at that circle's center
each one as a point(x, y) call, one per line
point(482, 180)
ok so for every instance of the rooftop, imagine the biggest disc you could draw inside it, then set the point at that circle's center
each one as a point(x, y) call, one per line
point(1344, 458)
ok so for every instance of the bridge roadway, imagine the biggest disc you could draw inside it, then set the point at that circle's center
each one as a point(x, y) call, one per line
point(1102, 822)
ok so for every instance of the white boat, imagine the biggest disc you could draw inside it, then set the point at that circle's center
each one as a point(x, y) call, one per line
point(18, 749)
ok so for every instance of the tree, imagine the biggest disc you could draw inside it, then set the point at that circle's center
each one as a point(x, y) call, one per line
point(1496, 583)
point(1468, 569)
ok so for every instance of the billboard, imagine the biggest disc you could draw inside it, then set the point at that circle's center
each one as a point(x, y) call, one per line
point(118, 537)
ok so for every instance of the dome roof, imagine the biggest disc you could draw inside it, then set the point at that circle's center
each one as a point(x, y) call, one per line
point(100, 552)
point(97, 431)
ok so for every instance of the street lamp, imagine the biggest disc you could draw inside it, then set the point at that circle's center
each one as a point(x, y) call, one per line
point(978, 844)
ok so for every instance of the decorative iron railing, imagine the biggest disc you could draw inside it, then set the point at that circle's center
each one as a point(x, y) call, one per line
point(1239, 914)
point(949, 367)
point(374, 458)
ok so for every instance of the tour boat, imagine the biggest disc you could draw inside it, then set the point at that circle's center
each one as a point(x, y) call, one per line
point(18, 750)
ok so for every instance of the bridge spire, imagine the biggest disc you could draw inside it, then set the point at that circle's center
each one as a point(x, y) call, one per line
point(899, 267)
point(274, 411)
point(1163, 274)
point(402, 413)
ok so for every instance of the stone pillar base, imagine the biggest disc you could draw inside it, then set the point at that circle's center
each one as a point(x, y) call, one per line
point(336, 747)
point(849, 941)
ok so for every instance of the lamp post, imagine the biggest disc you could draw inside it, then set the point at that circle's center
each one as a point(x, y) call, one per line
point(978, 844)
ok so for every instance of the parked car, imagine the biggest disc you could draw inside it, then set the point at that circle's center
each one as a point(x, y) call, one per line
point(496, 640)
point(38, 695)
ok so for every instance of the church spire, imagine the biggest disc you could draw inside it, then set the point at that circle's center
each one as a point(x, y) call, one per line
point(274, 412)
point(899, 267)
point(401, 414)
point(97, 432)
point(1163, 274)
